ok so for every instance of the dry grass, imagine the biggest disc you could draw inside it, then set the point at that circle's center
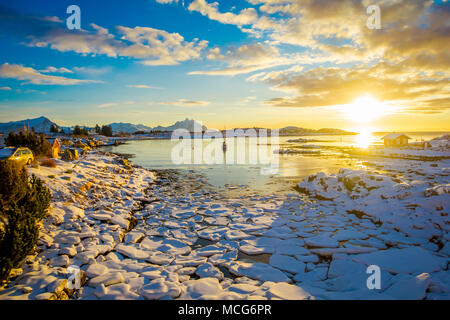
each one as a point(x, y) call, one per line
point(48, 163)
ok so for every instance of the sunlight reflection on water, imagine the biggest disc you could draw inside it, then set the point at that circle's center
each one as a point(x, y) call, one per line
point(365, 139)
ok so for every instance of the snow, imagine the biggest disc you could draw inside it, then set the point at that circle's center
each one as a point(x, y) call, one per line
point(202, 289)
point(322, 241)
point(223, 259)
point(259, 271)
point(160, 258)
point(208, 270)
point(258, 245)
point(131, 251)
point(408, 260)
point(287, 263)
point(208, 251)
point(155, 290)
point(289, 292)
point(95, 270)
point(200, 244)
point(410, 288)
point(107, 279)
point(190, 260)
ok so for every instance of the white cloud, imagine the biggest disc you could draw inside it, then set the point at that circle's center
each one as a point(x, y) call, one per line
point(5, 89)
point(142, 86)
point(247, 100)
point(19, 72)
point(247, 58)
point(151, 46)
point(56, 70)
point(92, 71)
point(186, 103)
point(107, 105)
point(52, 19)
point(245, 17)
point(114, 104)
point(166, 1)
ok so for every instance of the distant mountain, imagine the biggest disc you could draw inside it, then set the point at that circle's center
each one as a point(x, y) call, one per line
point(128, 127)
point(185, 124)
point(131, 128)
point(291, 131)
point(333, 131)
point(41, 124)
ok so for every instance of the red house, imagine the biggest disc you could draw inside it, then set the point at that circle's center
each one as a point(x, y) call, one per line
point(395, 140)
point(56, 147)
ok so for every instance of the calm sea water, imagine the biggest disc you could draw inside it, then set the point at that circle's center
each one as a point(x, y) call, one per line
point(255, 177)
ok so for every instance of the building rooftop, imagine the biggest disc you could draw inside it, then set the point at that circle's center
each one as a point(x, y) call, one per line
point(392, 136)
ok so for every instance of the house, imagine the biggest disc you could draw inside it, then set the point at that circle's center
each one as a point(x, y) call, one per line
point(56, 146)
point(396, 140)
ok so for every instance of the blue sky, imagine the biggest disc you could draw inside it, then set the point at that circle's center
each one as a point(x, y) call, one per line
point(226, 63)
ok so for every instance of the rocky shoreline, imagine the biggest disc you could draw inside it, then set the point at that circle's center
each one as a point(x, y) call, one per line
point(137, 234)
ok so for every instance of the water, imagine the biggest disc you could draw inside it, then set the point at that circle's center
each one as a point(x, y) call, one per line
point(254, 178)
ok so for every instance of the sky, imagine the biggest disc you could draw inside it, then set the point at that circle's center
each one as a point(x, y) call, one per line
point(255, 63)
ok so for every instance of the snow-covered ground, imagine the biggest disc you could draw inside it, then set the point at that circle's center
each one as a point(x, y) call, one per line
point(180, 240)
point(413, 153)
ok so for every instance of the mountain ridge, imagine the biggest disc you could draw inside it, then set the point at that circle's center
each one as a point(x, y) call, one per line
point(43, 124)
point(40, 124)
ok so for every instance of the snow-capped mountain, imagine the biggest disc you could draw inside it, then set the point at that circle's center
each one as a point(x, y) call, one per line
point(128, 127)
point(41, 124)
point(131, 128)
point(188, 124)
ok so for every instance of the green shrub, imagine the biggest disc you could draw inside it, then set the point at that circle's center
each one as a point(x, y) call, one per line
point(21, 208)
point(12, 182)
point(35, 142)
point(17, 240)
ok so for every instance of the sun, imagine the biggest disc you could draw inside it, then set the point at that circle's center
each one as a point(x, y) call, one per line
point(365, 109)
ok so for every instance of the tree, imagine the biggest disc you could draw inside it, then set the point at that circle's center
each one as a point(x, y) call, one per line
point(22, 206)
point(35, 142)
point(53, 129)
point(78, 131)
point(107, 131)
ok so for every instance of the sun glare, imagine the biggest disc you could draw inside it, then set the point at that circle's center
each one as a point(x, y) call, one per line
point(365, 138)
point(365, 109)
